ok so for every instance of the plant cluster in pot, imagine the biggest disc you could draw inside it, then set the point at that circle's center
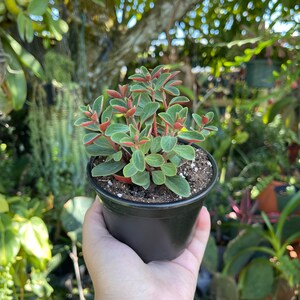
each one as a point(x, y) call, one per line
point(150, 176)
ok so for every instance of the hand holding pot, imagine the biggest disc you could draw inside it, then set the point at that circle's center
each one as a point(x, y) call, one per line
point(118, 272)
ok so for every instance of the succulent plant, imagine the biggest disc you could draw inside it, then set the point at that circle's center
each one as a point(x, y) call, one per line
point(142, 135)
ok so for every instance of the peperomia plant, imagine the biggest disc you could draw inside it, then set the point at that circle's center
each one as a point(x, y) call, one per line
point(142, 135)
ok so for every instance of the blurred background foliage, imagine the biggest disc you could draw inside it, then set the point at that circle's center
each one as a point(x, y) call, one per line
point(55, 55)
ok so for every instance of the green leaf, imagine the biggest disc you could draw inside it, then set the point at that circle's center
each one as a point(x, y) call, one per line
point(107, 114)
point(37, 7)
point(35, 238)
point(171, 90)
point(169, 169)
point(191, 136)
point(174, 110)
point(116, 128)
point(107, 168)
point(198, 119)
point(156, 69)
point(98, 105)
point(257, 279)
point(90, 137)
point(145, 147)
point(149, 111)
point(117, 137)
point(72, 216)
point(179, 99)
point(185, 151)
point(57, 27)
point(138, 160)
point(178, 185)
point(117, 156)
point(28, 60)
point(158, 177)
point(210, 116)
point(21, 25)
point(15, 80)
point(103, 143)
point(95, 150)
point(4, 207)
point(155, 145)
point(9, 241)
point(167, 118)
point(29, 33)
point(161, 79)
point(129, 170)
point(141, 179)
point(138, 88)
point(168, 143)
point(154, 160)
point(210, 259)
point(211, 128)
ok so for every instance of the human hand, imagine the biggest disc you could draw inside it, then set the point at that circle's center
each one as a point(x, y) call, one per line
point(118, 272)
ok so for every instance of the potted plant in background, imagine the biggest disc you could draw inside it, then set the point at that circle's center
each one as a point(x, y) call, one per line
point(150, 177)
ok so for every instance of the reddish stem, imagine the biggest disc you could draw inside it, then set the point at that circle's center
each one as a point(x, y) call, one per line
point(112, 143)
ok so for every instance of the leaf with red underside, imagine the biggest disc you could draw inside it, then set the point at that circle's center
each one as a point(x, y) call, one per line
point(179, 100)
point(89, 138)
point(156, 71)
point(123, 89)
point(123, 179)
point(114, 94)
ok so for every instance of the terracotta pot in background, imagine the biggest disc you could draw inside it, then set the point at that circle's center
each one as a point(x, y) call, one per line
point(267, 200)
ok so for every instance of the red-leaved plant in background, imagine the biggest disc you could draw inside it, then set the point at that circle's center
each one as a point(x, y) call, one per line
point(139, 134)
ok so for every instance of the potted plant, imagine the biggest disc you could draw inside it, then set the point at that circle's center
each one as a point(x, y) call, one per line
point(150, 177)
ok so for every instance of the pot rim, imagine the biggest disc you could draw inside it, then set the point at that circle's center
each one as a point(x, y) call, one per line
point(156, 205)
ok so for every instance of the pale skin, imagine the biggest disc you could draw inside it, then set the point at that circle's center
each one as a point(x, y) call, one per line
point(118, 272)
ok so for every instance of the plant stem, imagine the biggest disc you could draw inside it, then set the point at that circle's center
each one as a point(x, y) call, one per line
point(74, 258)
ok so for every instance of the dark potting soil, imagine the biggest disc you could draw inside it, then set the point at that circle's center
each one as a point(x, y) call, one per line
point(198, 173)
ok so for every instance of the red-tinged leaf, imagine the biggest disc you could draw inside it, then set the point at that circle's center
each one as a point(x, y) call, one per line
point(179, 100)
point(138, 79)
point(120, 109)
point(205, 120)
point(90, 138)
point(114, 94)
point(94, 116)
point(127, 144)
point(123, 179)
point(104, 125)
point(87, 123)
point(178, 125)
point(175, 82)
point(156, 72)
point(211, 128)
point(87, 113)
point(143, 141)
point(130, 112)
point(172, 75)
point(166, 118)
point(123, 90)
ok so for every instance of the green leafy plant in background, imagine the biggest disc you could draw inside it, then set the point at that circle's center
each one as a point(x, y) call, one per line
point(58, 154)
point(258, 258)
point(25, 249)
point(143, 141)
point(33, 18)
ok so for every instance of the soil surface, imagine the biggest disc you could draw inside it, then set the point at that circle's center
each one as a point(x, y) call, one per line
point(198, 173)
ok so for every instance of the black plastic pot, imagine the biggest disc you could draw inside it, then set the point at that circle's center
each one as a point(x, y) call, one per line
point(155, 231)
